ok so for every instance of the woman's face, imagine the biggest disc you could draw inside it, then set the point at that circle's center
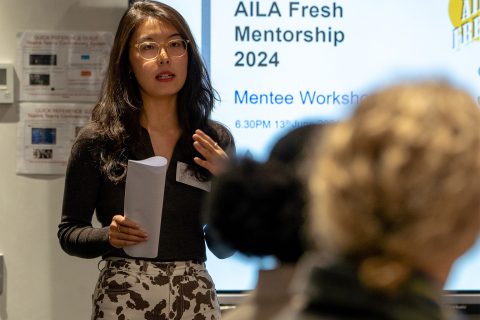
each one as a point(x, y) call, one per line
point(164, 75)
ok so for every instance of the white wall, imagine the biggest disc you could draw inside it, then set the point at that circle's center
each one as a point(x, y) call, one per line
point(41, 281)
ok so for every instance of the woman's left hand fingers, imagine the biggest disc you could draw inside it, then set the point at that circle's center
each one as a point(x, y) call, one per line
point(204, 141)
point(216, 159)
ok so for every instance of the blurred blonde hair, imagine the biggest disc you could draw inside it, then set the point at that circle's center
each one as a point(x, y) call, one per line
point(397, 184)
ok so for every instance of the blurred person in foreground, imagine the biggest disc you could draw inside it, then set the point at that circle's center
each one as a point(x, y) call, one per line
point(258, 209)
point(395, 200)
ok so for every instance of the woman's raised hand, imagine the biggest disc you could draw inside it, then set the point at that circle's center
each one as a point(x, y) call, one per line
point(216, 159)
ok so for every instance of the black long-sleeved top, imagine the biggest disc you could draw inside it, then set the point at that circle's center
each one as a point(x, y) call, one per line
point(87, 190)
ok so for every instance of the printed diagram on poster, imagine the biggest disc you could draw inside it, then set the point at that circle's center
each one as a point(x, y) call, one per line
point(62, 66)
point(45, 135)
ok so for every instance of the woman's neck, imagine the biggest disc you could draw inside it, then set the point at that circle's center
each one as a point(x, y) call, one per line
point(159, 118)
point(160, 115)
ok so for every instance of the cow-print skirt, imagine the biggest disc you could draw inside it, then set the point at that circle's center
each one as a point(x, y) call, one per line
point(130, 289)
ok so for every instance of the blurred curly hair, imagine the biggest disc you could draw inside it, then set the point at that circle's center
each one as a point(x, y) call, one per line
point(399, 182)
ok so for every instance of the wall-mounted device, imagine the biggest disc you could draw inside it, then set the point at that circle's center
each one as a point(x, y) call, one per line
point(1, 274)
point(6, 83)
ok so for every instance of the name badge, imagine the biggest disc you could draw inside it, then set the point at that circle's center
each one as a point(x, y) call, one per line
point(187, 177)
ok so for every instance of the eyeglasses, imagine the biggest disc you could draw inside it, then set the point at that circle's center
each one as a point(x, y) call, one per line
point(150, 50)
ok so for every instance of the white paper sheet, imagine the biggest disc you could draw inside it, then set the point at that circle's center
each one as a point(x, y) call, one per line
point(144, 191)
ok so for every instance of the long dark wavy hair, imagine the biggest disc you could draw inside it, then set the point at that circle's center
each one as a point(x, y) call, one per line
point(115, 117)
